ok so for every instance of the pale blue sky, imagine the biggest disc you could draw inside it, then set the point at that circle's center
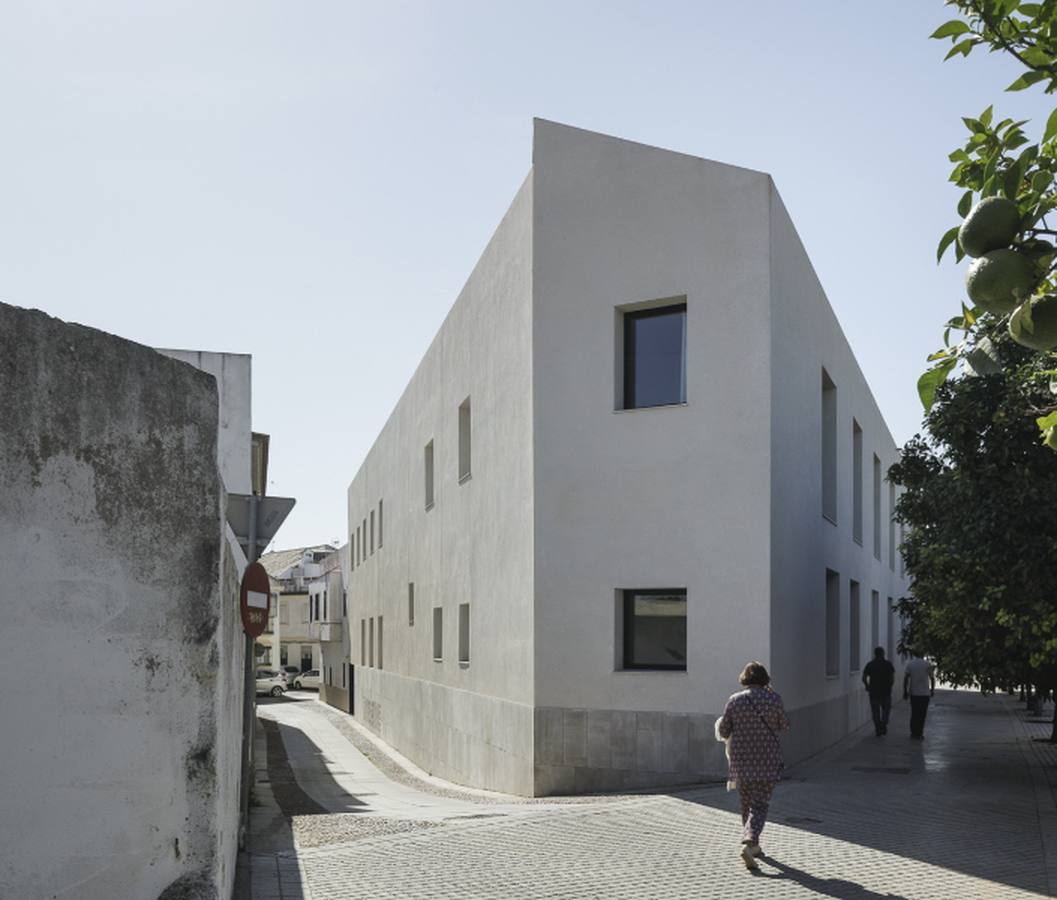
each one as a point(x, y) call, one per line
point(313, 182)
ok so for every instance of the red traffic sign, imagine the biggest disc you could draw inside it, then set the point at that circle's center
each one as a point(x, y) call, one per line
point(254, 599)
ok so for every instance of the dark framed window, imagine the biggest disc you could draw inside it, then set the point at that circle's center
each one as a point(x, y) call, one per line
point(655, 628)
point(655, 357)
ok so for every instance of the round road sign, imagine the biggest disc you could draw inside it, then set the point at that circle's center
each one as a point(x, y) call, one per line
point(254, 599)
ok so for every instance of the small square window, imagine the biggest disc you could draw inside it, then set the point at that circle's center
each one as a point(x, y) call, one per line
point(655, 356)
point(655, 628)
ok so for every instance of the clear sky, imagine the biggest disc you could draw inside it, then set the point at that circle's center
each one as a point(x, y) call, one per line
point(313, 182)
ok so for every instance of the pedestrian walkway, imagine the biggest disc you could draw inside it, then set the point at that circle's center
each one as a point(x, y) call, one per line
point(967, 813)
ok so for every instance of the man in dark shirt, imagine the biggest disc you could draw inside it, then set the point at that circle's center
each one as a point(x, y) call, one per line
point(878, 676)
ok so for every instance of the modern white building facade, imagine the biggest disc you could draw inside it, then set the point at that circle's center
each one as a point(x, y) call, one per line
point(624, 468)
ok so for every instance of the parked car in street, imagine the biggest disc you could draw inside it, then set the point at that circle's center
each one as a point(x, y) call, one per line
point(291, 672)
point(309, 679)
point(271, 682)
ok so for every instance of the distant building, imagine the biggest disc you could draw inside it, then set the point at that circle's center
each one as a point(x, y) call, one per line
point(292, 638)
point(328, 606)
point(638, 454)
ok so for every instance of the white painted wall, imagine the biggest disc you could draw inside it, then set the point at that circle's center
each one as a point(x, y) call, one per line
point(475, 545)
point(232, 372)
point(665, 497)
point(807, 337)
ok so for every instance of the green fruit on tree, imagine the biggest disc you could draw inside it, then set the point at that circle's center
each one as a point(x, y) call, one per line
point(1043, 332)
point(998, 281)
point(990, 225)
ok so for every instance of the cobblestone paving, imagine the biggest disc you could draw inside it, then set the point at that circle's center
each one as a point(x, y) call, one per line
point(954, 816)
point(340, 828)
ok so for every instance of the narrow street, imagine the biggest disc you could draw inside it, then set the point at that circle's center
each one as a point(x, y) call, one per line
point(968, 812)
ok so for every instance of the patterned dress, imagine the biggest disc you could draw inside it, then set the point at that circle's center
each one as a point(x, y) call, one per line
point(753, 749)
point(750, 725)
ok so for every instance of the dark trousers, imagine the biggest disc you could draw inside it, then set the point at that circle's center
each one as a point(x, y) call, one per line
point(919, 707)
point(880, 706)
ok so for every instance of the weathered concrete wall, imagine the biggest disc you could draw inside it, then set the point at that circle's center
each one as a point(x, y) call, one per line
point(121, 767)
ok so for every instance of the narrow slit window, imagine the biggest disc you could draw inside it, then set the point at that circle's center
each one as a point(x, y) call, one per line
point(464, 633)
point(856, 484)
point(832, 623)
point(370, 641)
point(411, 603)
point(379, 524)
point(464, 440)
point(372, 533)
point(380, 619)
point(855, 628)
point(428, 457)
point(438, 633)
point(877, 508)
point(875, 621)
point(829, 448)
point(891, 526)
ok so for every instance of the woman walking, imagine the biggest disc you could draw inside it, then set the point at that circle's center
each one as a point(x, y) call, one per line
point(750, 725)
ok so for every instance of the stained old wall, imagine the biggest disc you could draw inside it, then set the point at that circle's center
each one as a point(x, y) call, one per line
point(119, 649)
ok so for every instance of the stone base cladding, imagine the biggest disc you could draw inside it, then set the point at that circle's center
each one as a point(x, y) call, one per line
point(579, 751)
point(468, 738)
point(818, 726)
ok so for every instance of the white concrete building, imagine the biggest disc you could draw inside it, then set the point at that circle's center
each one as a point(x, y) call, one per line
point(638, 454)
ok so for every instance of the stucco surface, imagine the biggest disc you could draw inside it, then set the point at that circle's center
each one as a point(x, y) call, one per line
point(806, 338)
point(475, 545)
point(118, 778)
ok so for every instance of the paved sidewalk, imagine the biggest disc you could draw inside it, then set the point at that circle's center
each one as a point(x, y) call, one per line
point(967, 813)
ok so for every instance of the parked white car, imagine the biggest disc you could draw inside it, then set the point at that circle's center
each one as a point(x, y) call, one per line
point(271, 682)
point(309, 679)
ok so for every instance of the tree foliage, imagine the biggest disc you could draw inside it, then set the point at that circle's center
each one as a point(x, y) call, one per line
point(998, 159)
point(981, 546)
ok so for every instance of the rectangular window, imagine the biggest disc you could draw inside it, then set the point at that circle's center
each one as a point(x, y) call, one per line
point(655, 357)
point(304, 610)
point(855, 632)
point(283, 655)
point(655, 628)
point(370, 641)
point(326, 608)
point(379, 524)
point(891, 631)
point(357, 545)
point(364, 526)
point(464, 632)
point(832, 623)
point(363, 642)
point(829, 448)
point(428, 456)
point(411, 603)
point(344, 604)
point(343, 667)
point(875, 621)
point(464, 440)
point(892, 525)
point(284, 614)
point(380, 642)
point(856, 483)
point(438, 633)
point(876, 508)
point(371, 545)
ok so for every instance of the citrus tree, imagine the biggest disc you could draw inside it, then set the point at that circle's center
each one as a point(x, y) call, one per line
point(981, 546)
point(1009, 198)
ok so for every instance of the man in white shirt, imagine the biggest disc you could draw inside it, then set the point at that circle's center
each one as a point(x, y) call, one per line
point(919, 683)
